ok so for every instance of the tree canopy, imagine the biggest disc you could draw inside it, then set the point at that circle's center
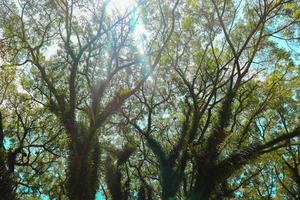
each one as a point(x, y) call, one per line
point(167, 99)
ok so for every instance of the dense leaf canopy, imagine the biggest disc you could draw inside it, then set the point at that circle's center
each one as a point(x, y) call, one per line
point(166, 99)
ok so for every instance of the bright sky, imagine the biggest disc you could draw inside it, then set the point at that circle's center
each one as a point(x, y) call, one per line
point(126, 5)
point(121, 5)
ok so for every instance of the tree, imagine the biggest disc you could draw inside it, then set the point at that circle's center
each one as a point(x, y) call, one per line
point(83, 83)
point(6, 180)
point(199, 106)
point(219, 95)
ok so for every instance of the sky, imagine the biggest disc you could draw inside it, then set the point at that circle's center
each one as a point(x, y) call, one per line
point(121, 5)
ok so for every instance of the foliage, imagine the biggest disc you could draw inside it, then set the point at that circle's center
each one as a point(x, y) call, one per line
point(204, 104)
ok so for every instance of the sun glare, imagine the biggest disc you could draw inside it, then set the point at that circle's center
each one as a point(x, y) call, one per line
point(123, 6)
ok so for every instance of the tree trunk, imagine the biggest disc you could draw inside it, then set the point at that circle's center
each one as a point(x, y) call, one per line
point(113, 179)
point(206, 183)
point(6, 182)
point(83, 171)
point(204, 188)
point(170, 182)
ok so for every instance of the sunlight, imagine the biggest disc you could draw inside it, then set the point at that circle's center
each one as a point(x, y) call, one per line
point(121, 5)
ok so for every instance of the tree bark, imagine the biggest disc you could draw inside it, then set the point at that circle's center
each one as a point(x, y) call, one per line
point(204, 188)
point(83, 171)
point(6, 182)
point(206, 182)
point(170, 182)
point(113, 179)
